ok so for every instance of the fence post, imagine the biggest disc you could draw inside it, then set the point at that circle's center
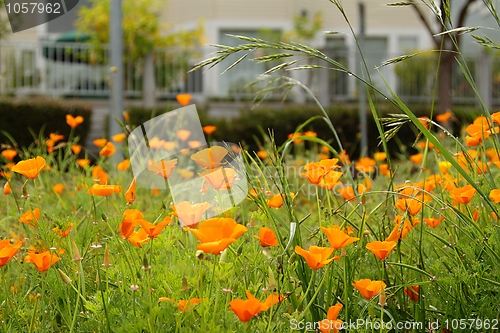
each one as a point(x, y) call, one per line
point(484, 65)
point(149, 87)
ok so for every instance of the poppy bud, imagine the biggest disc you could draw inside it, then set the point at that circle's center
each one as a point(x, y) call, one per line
point(344, 252)
point(451, 240)
point(235, 286)
point(272, 281)
point(104, 217)
point(223, 256)
point(200, 255)
point(363, 199)
point(7, 189)
point(145, 263)
point(185, 285)
point(64, 277)
point(381, 299)
point(25, 190)
point(106, 257)
point(292, 258)
point(76, 253)
point(166, 288)
point(252, 221)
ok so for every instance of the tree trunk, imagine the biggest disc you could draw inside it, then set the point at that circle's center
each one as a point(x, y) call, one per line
point(444, 82)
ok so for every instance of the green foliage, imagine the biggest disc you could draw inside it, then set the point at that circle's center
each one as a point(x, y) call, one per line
point(36, 114)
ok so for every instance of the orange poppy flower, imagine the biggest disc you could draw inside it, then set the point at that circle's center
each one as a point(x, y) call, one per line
point(209, 129)
point(220, 179)
point(369, 288)
point(412, 205)
point(495, 196)
point(210, 158)
point(384, 169)
point(316, 171)
point(247, 309)
point(58, 188)
point(407, 226)
point(292, 137)
point(169, 145)
point(185, 174)
point(182, 304)
point(183, 135)
point(99, 174)
point(273, 299)
point(119, 137)
point(344, 158)
point(56, 137)
point(156, 143)
point(7, 251)
point(381, 249)
point(9, 154)
point(155, 191)
point(337, 237)
point(30, 217)
point(464, 194)
point(43, 261)
point(432, 222)
point(7, 189)
point(154, 230)
point(217, 233)
point(424, 121)
point(183, 99)
point(277, 200)
point(267, 237)
point(50, 146)
point(331, 324)
point(76, 149)
point(104, 190)
point(262, 154)
point(127, 225)
point(380, 156)
point(412, 293)
point(366, 164)
point(108, 150)
point(130, 194)
point(316, 257)
point(100, 142)
point(138, 238)
point(330, 180)
point(194, 144)
point(163, 168)
point(30, 168)
point(123, 165)
point(442, 118)
point(74, 121)
point(417, 158)
point(83, 162)
point(190, 215)
point(310, 134)
point(63, 232)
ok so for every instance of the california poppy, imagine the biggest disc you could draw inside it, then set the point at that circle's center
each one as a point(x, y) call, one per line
point(163, 168)
point(190, 215)
point(273, 299)
point(50, 146)
point(369, 288)
point(332, 324)
point(76, 149)
point(413, 205)
point(130, 194)
point(100, 142)
point(185, 174)
point(380, 156)
point(30, 217)
point(119, 137)
point(217, 233)
point(247, 309)
point(407, 226)
point(43, 260)
point(337, 237)
point(293, 136)
point(74, 121)
point(30, 168)
point(432, 222)
point(9, 154)
point(384, 169)
point(310, 134)
point(194, 144)
point(169, 145)
point(330, 180)
point(183, 99)
point(104, 190)
point(182, 304)
point(412, 292)
point(424, 121)
point(262, 154)
point(127, 225)
point(417, 158)
point(220, 179)
point(381, 249)
point(344, 158)
point(63, 232)
point(7, 189)
point(124, 165)
point(99, 174)
point(444, 117)
point(108, 150)
point(154, 230)
point(209, 129)
point(365, 164)
point(277, 200)
point(464, 194)
point(495, 196)
point(210, 158)
point(58, 188)
point(267, 237)
point(7, 251)
point(316, 257)
point(138, 238)
point(183, 134)
point(56, 137)
point(83, 162)
point(156, 143)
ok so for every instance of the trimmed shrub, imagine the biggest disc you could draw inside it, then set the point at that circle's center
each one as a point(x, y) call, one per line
point(17, 117)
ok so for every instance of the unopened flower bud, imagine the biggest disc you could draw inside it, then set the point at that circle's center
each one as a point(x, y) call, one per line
point(381, 298)
point(64, 277)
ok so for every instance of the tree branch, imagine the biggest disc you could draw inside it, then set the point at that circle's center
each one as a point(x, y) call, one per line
point(461, 19)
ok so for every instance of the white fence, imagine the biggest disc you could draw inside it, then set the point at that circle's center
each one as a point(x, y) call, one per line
point(75, 69)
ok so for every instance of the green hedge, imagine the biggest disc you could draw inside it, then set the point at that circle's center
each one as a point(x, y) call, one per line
point(18, 116)
point(345, 118)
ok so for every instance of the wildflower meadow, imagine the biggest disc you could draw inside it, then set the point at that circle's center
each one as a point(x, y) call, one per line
point(321, 241)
